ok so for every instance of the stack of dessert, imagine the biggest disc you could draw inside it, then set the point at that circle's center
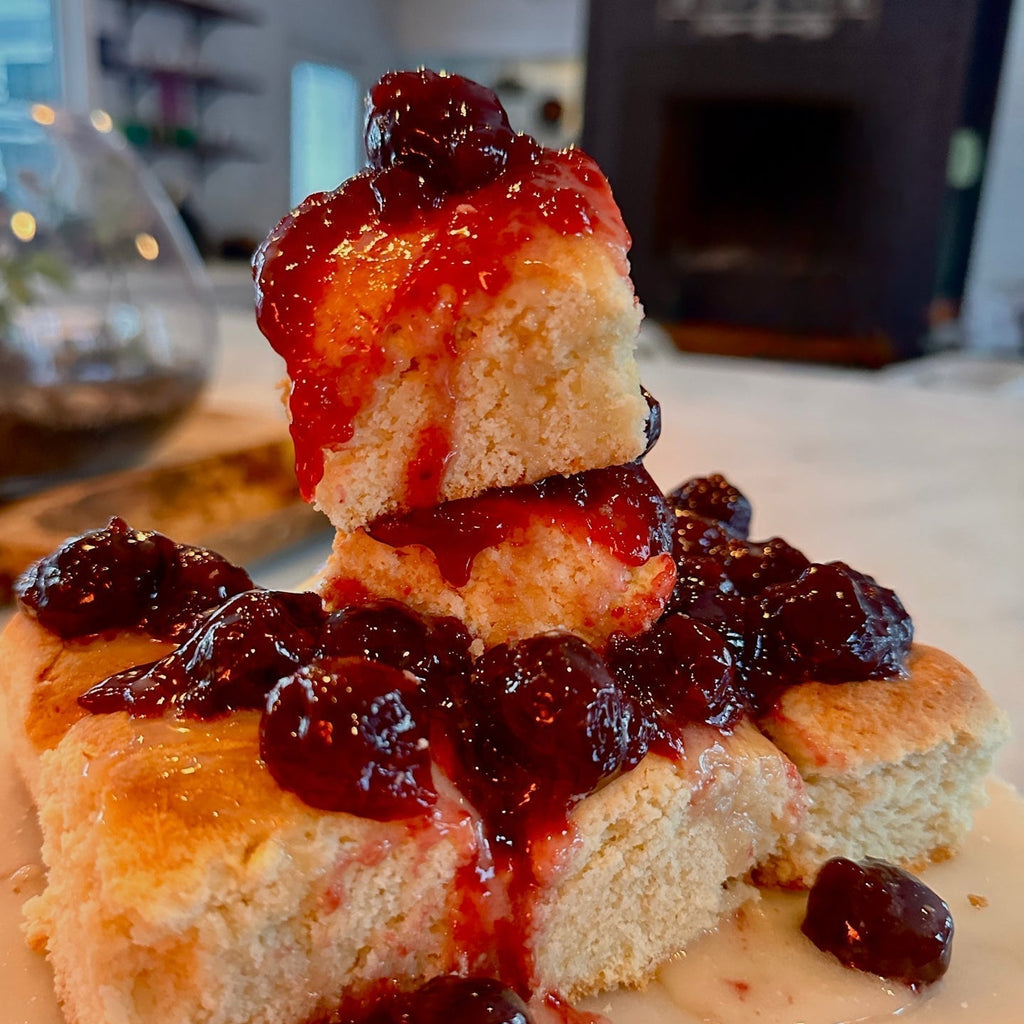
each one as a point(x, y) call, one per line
point(538, 727)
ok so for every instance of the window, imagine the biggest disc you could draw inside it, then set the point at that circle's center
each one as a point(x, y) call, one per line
point(321, 158)
point(29, 57)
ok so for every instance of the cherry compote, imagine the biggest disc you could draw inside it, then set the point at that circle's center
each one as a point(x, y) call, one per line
point(467, 1000)
point(444, 1000)
point(618, 507)
point(196, 581)
point(876, 917)
point(697, 577)
point(753, 565)
point(121, 578)
point(698, 535)
point(231, 661)
point(652, 428)
point(739, 622)
point(713, 497)
point(708, 547)
point(435, 649)
point(445, 130)
point(451, 196)
point(785, 619)
point(543, 724)
point(684, 672)
point(348, 734)
point(834, 624)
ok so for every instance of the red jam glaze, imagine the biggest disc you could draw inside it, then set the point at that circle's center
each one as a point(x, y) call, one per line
point(340, 290)
point(619, 508)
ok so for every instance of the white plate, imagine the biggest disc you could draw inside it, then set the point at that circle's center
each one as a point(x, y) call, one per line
point(764, 973)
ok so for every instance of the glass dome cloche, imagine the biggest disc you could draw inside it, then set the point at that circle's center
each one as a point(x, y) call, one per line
point(107, 319)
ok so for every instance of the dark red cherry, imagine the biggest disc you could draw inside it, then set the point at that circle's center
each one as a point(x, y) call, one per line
point(466, 1000)
point(543, 708)
point(697, 576)
point(754, 565)
point(652, 429)
point(401, 193)
point(450, 131)
point(684, 668)
point(444, 1000)
point(100, 581)
point(738, 621)
point(834, 624)
point(121, 578)
point(435, 649)
point(561, 708)
point(195, 581)
point(695, 534)
point(345, 734)
point(879, 918)
point(714, 498)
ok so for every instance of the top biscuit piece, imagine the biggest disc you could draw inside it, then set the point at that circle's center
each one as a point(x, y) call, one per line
point(444, 332)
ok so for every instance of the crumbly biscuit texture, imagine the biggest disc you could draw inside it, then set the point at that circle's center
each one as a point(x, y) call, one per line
point(541, 381)
point(42, 678)
point(543, 579)
point(894, 768)
point(185, 887)
point(663, 853)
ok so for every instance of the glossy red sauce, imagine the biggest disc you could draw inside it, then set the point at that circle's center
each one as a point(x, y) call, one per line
point(341, 291)
point(619, 508)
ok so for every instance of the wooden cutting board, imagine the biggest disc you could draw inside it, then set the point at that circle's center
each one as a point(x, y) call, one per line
point(221, 479)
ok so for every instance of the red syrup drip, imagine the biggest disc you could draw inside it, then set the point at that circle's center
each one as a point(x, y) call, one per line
point(497, 891)
point(619, 508)
point(538, 726)
point(568, 1014)
point(337, 284)
point(425, 471)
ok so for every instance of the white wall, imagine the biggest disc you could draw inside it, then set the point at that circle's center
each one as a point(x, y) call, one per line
point(490, 29)
point(994, 306)
point(366, 37)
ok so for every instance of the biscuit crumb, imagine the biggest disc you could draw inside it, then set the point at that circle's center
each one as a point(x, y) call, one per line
point(26, 877)
point(977, 901)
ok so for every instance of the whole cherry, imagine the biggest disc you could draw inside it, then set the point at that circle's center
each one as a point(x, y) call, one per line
point(451, 132)
point(347, 734)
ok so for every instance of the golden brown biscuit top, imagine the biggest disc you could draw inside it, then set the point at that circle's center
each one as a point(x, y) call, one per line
point(844, 727)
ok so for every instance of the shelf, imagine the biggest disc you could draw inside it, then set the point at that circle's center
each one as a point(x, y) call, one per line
point(204, 10)
point(202, 79)
point(159, 139)
point(179, 89)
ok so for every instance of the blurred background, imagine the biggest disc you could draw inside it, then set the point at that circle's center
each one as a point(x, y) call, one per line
point(837, 181)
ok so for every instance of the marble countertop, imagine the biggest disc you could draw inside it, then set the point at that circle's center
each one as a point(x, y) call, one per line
point(922, 488)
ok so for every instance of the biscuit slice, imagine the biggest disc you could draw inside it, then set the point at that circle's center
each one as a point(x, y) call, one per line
point(488, 343)
point(661, 854)
point(590, 554)
point(894, 768)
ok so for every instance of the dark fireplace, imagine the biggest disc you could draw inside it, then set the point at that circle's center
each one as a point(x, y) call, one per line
point(756, 196)
point(783, 178)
